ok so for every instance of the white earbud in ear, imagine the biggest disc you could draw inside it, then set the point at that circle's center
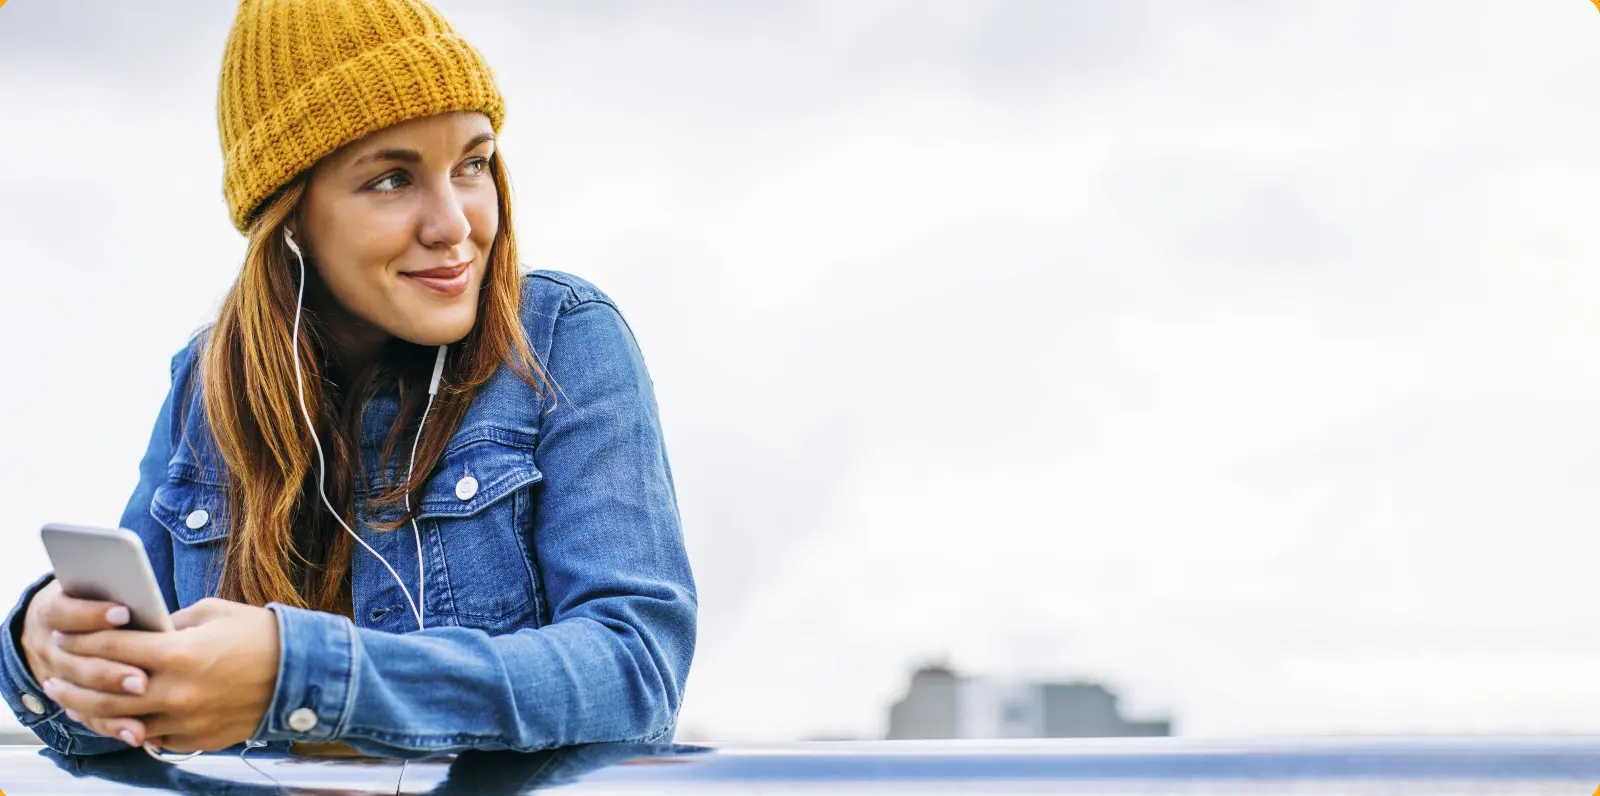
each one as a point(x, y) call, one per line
point(288, 237)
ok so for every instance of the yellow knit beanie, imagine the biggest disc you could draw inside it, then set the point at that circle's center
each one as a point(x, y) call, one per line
point(301, 78)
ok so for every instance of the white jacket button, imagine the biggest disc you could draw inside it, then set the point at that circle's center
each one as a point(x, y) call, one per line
point(32, 703)
point(466, 488)
point(303, 720)
point(197, 519)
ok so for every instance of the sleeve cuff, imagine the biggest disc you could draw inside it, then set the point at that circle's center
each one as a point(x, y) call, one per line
point(24, 695)
point(316, 670)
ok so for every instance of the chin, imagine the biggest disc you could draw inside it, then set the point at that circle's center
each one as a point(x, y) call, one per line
point(437, 334)
point(437, 337)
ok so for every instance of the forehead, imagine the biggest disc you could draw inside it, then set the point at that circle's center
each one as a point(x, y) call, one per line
point(444, 134)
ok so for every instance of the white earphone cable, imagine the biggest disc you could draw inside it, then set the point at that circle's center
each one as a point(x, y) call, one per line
point(299, 381)
point(419, 605)
point(422, 582)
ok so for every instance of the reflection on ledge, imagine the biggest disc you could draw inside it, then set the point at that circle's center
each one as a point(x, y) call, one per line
point(1348, 765)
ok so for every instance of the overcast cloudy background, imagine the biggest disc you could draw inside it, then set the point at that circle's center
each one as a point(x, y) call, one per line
point(1241, 355)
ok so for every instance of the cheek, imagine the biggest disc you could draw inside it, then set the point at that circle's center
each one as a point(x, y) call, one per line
point(484, 216)
point(356, 279)
point(356, 272)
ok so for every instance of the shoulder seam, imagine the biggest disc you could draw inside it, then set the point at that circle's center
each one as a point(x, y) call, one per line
point(574, 295)
point(604, 302)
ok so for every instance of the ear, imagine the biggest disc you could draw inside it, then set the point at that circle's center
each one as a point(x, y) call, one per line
point(292, 241)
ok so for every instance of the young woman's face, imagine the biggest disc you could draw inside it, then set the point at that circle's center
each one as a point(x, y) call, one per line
point(399, 225)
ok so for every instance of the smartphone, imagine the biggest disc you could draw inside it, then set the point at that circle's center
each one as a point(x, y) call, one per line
point(107, 564)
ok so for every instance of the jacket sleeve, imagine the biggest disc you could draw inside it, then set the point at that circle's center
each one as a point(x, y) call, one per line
point(612, 663)
point(22, 692)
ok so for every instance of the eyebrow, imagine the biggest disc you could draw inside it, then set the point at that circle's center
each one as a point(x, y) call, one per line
point(412, 155)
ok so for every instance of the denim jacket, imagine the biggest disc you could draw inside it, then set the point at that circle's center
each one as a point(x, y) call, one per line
point(560, 607)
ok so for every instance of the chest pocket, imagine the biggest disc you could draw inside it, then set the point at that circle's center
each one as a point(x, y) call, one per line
point(192, 506)
point(477, 514)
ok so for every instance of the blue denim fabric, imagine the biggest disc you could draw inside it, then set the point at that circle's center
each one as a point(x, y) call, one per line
point(560, 603)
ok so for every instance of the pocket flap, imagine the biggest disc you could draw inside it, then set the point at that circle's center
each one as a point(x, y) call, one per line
point(192, 511)
point(476, 474)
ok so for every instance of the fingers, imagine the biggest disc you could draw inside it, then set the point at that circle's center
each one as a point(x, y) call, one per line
point(97, 674)
point(141, 648)
point(74, 700)
point(89, 706)
point(71, 615)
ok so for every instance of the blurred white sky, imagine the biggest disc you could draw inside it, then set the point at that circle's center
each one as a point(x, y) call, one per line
point(1239, 354)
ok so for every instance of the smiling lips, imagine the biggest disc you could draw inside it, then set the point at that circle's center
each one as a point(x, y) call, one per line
point(446, 280)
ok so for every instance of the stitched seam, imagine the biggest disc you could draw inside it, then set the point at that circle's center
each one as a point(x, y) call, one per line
point(475, 436)
point(194, 473)
point(172, 518)
point(497, 490)
point(444, 567)
point(349, 680)
point(614, 308)
point(589, 293)
point(521, 519)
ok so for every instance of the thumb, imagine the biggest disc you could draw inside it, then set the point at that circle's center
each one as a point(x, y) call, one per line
point(200, 613)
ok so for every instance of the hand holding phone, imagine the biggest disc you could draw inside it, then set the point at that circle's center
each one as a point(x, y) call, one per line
point(50, 612)
point(103, 582)
point(219, 673)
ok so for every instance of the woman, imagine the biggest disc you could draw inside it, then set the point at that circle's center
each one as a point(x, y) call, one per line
point(361, 546)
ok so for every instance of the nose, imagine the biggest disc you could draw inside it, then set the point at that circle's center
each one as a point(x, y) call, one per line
point(444, 220)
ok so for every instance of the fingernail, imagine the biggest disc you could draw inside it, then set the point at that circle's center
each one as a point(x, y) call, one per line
point(127, 737)
point(56, 637)
point(74, 715)
point(49, 686)
point(133, 684)
point(117, 615)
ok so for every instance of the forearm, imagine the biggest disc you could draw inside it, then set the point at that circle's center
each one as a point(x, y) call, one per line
point(586, 679)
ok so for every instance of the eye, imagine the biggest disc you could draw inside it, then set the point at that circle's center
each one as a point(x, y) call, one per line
point(477, 166)
point(398, 176)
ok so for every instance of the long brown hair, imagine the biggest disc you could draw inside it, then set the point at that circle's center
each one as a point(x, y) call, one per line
point(283, 546)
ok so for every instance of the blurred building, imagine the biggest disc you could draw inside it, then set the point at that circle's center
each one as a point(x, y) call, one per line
point(943, 704)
